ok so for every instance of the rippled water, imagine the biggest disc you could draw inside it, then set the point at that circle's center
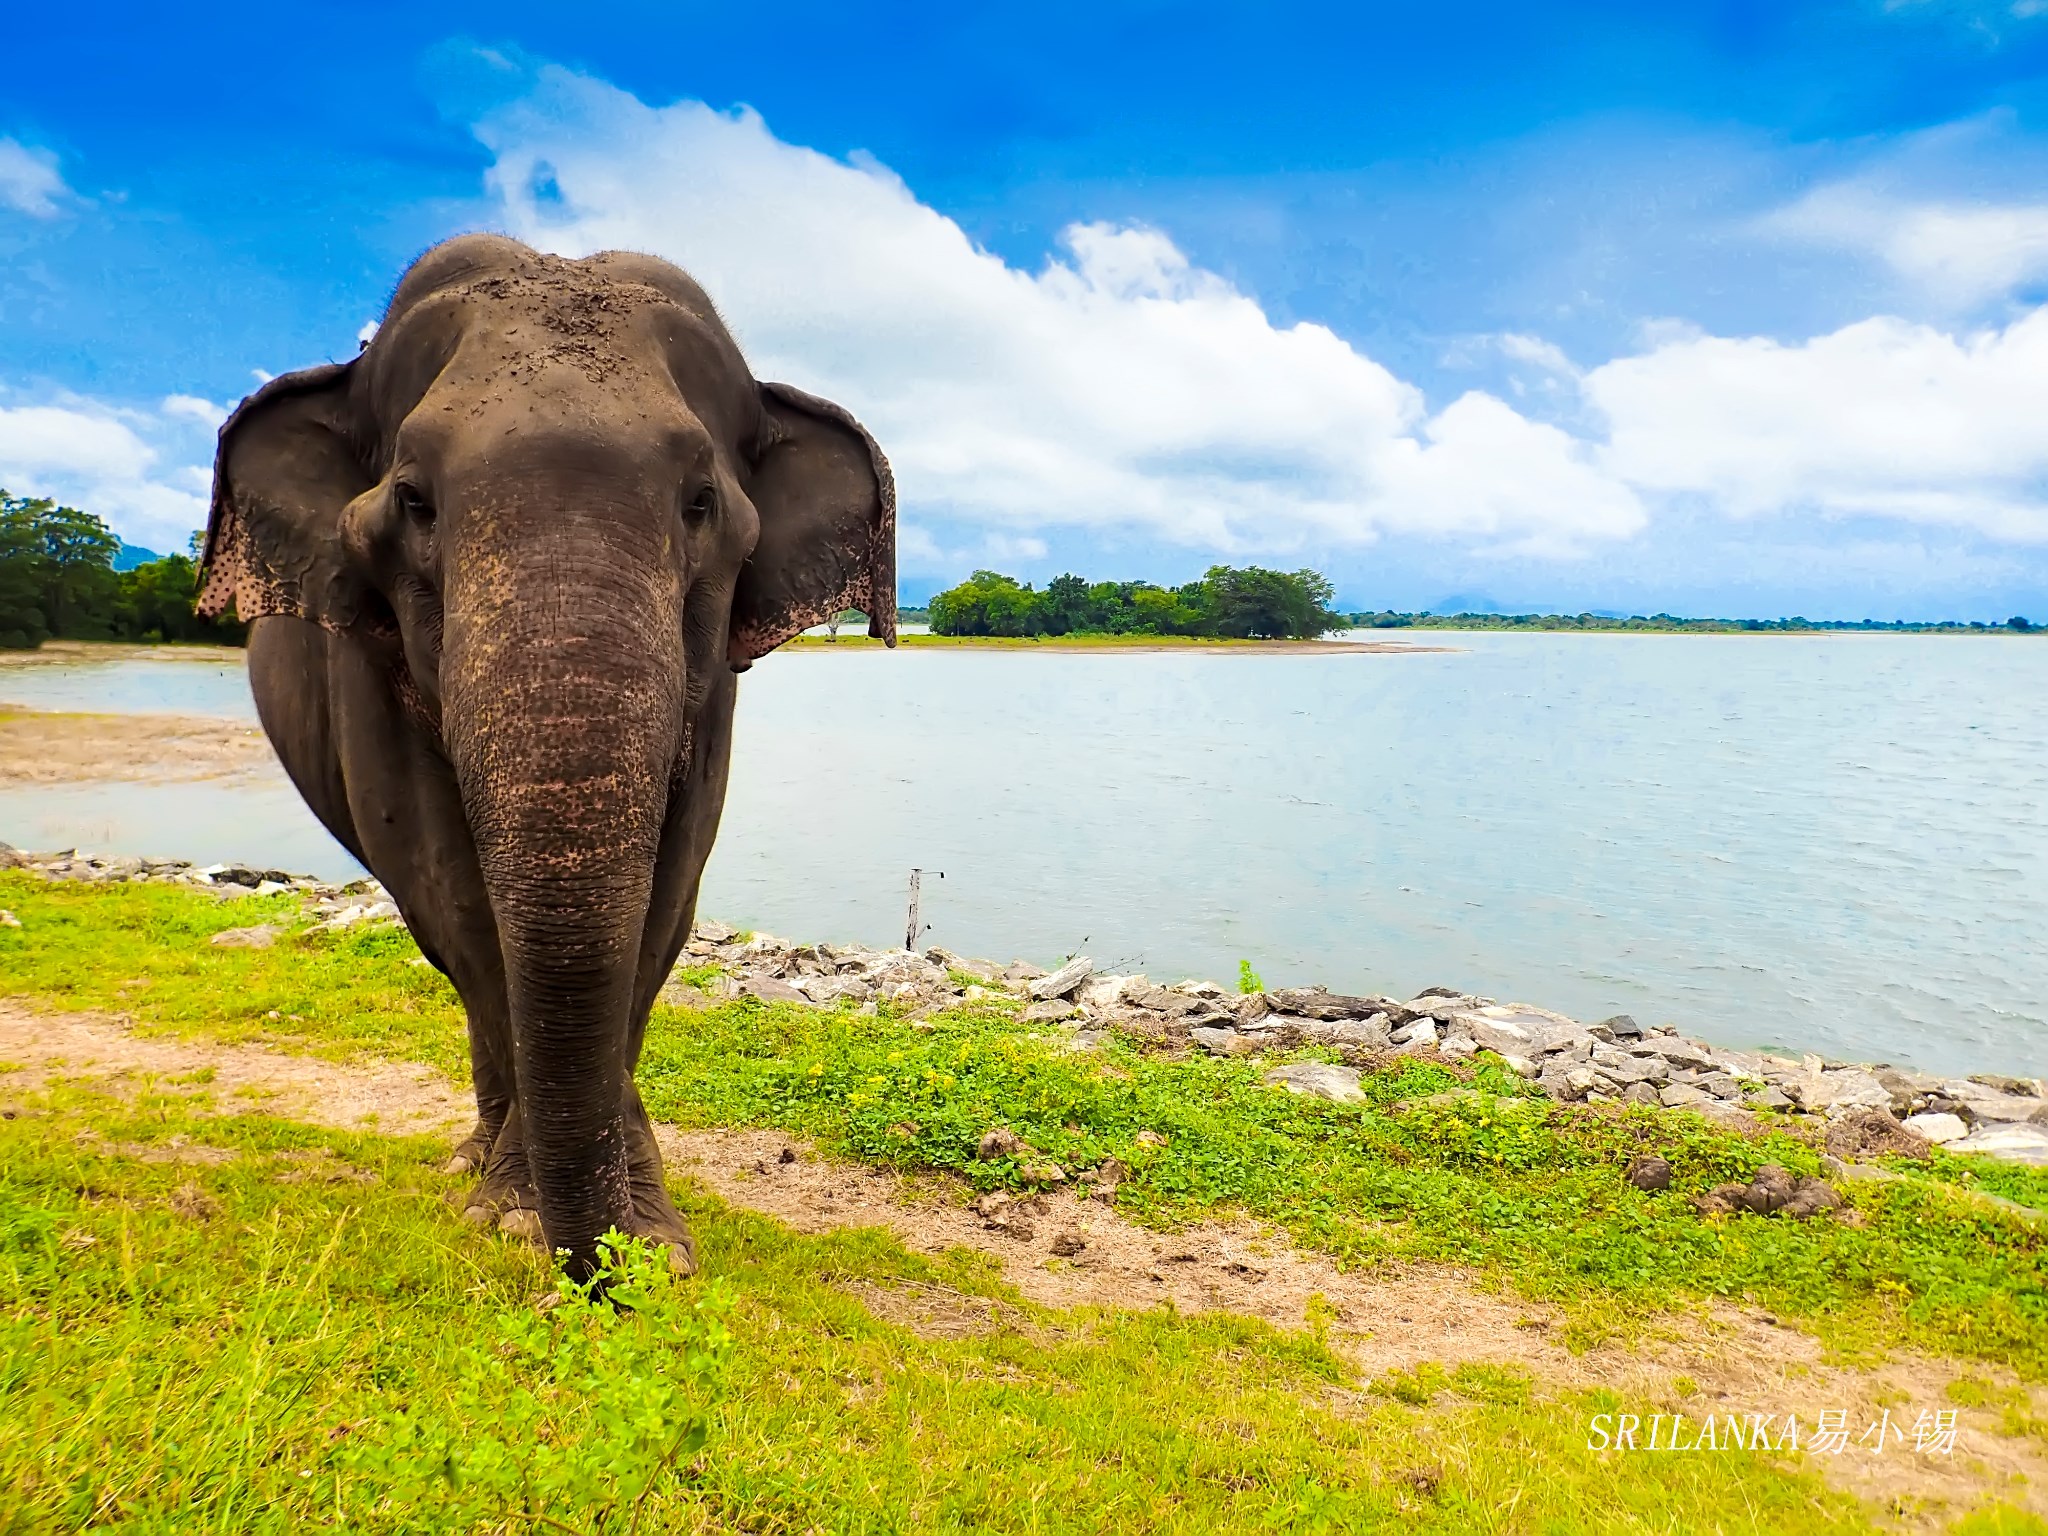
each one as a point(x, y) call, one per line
point(1834, 843)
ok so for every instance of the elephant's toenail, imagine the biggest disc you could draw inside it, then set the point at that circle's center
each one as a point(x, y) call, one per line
point(478, 1216)
point(681, 1261)
point(457, 1166)
point(521, 1223)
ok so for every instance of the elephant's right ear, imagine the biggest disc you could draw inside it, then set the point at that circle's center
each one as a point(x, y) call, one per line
point(287, 466)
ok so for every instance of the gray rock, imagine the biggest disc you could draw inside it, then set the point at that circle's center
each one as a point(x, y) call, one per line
point(1319, 1080)
point(2031, 1088)
point(1051, 1011)
point(1836, 1093)
point(1222, 1042)
point(1521, 1066)
point(1649, 1173)
point(1767, 1098)
point(2013, 1143)
point(1171, 1004)
point(1620, 1027)
point(827, 990)
point(1675, 1049)
point(1640, 1093)
point(1099, 992)
point(260, 937)
point(1457, 1045)
point(1502, 1038)
point(1721, 1085)
point(1625, 1067)
point(1417, 1031)
point(1062, 981)
point(1909, 1090)
point(1683, 1096)
point(1317, 1003)
point(711, 931)
point(1937, 1128)
point(769, 990)
point(1366, 1034)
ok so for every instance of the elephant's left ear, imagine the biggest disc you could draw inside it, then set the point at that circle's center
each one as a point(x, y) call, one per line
point(827, 504)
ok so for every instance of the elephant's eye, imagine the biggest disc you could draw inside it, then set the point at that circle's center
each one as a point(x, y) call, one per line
point(702, 507)
point(413, 503)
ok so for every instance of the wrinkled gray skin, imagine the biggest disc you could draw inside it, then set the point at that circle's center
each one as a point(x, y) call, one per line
point(502, 569)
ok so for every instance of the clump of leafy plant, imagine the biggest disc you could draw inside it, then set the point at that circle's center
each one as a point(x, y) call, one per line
point(1249, 980)
point(572, 1420)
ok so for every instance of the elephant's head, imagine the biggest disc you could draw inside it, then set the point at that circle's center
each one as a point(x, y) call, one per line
point(552, 501)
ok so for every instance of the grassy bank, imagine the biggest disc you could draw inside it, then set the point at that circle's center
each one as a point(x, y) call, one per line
point(295, 1329)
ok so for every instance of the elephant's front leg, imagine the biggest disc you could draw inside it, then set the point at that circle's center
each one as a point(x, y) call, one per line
point(490, 1072)
point(655, 1216)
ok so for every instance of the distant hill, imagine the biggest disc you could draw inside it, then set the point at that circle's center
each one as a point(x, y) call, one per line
point(1463, 602)
point(130, 556)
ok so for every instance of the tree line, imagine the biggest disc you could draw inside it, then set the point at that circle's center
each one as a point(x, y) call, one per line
point(57, 581)
point(1238, 603)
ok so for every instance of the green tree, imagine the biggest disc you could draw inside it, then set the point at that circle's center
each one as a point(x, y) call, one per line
point(22, 625)
point(61, 566)
point(57, 578)
point(1255, 603)
point(988, 603)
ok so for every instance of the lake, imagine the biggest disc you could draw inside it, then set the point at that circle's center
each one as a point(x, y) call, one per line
point(1831, 843)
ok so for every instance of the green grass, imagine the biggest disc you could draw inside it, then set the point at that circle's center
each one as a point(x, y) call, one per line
point(303, 1336)
point(1530, 1193)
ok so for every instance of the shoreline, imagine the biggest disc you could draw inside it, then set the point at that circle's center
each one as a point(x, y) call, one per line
point(1855, 1109)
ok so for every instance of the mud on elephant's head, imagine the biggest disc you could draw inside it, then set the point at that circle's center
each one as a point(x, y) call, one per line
point(522, 423)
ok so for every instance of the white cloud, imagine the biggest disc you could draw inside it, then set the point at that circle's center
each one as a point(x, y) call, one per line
point(122, 465)
point(193, 408)
point(1535, 351)
point(29, 180)
point(1121, 388)
point(1959, 254)
point(368, 333)
point(1117, 385)
point(1882, 418)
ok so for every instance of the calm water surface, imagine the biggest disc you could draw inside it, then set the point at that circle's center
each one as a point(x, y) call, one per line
point(1834, 843)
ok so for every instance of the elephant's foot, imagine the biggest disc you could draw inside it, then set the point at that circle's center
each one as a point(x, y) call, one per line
point(474, 1151)
point(667, 1231)
point(655, 1216)
point(506, 1198)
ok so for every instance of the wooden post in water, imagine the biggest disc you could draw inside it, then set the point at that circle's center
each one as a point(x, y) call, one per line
point(913, 927)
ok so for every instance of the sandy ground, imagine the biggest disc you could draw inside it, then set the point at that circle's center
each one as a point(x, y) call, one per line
point(1062, 1251)
point(72, 652)
point(43, 747)
point(814, 643)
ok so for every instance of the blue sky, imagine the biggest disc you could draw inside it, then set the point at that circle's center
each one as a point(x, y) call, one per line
point(1709, 308)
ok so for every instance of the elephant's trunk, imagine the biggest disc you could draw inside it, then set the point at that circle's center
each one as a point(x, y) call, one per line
point(562, 687)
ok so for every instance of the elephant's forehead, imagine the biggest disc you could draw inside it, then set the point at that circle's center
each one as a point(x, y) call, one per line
point(583, 322)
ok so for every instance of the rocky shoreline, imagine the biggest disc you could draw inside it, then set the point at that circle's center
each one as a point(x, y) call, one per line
point(1859, 1109)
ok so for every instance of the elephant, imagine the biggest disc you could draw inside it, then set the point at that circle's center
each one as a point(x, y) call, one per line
point(501, 571)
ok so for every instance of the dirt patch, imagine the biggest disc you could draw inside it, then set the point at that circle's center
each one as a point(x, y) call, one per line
point(41, 747)
point(1062, 1251)
point(399, 1097)
point(72, 652)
